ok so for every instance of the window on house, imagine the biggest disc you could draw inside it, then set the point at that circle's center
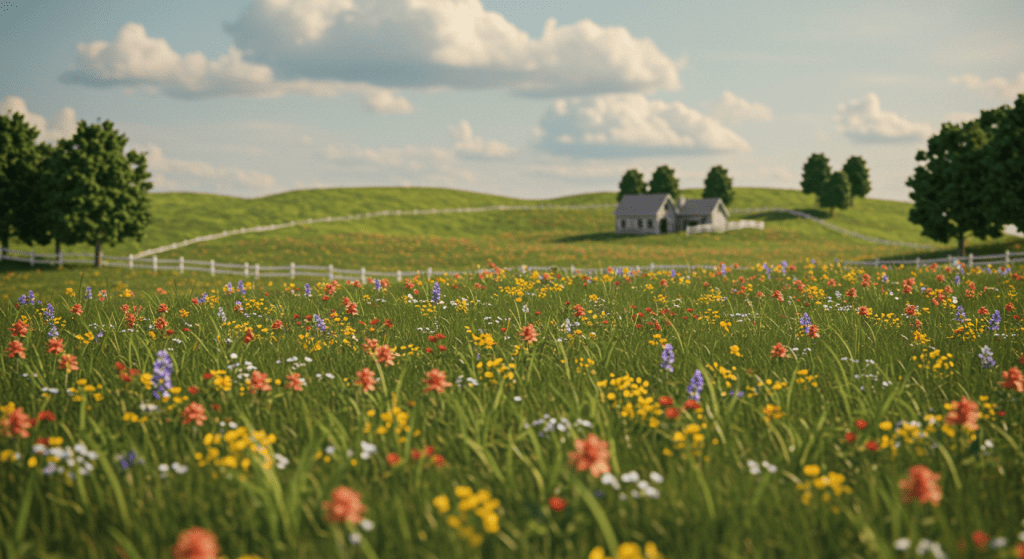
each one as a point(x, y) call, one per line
point(650, 224)
point(623, 223)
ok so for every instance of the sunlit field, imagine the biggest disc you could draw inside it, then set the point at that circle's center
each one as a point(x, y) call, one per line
point(772, 410)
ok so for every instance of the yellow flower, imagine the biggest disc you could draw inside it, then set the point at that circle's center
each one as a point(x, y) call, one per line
point(885, 425)
point(32, 461)
point(812, 470)
point(735, 350)
point(629, 550)
point(463, 491)
point(442, 504)
point(597, 553)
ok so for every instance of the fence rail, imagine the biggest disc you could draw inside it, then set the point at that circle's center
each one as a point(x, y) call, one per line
point(292, 271)
point(729, 226)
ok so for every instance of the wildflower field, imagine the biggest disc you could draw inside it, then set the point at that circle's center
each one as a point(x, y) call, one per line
point(777, 410)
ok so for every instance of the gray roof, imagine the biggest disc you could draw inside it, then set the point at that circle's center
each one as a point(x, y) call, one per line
point(640, 204)
point(701, 207)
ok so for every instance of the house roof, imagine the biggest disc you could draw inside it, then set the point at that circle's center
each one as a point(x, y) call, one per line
point(641, 204)
point(702, 207)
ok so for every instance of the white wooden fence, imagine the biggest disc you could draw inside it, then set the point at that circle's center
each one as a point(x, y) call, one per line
point(293, 270)
point(729, 226)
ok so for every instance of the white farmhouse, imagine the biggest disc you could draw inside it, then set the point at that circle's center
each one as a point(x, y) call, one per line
point(702, 211)
point(653, 214)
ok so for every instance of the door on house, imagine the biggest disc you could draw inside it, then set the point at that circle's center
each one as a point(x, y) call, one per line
point(664, 225)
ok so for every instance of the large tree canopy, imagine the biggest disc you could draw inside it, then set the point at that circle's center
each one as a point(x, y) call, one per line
point(22, 206)
point(816, 173)
point(856, 170)
point(632, 183)
point(1003, 160)
point(665, 182)
point(108, 197)
point(718, 185)
point(835, 193)
point(950, 192)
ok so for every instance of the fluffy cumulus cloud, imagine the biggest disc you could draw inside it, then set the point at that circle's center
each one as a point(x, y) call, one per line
point(1000, 89)
point(468, 144)
point(402, 165)
point(734, 109)
point(865, 121)
point(445, 43)
point(63, 127)
point(626, 125)
point(137, 60)
point(170, 175)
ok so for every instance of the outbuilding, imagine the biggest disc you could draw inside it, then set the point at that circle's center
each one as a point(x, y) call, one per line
point(702, 211)
point(646, 214)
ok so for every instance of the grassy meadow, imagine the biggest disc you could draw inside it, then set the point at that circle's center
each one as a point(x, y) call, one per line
point(773, 407)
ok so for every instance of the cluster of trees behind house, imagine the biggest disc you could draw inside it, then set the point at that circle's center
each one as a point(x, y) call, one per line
point(972, 181)
point(81, 190)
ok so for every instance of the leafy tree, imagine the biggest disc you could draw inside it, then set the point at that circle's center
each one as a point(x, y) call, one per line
point(857, 171)
point(951, 194)
point(835, 193)
point(21, 203)
point(1003, 160)
point(664, 181)
point(718, 185)
point(632, 183)
point(109, 201)
point(817, 172)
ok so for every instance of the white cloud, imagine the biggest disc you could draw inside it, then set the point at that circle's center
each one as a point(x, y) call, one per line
point(735, 109)
point(632, 125)
point(960, 118)
point(865, 121)
point(390, 165)
point(467, 143)
point(137, 60)
point(220, 180)
point(446, 43)
point(63, 127)
point(997, 88)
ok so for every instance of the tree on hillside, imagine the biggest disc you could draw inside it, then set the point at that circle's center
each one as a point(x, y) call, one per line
point(1003, 160)
point(108, 197)
point(632, 183)
point(664, 181)
point(856, 170)
point(816, 173)
point(718, 185)
point(950, 193)
point(21, 201)
point(835, 193)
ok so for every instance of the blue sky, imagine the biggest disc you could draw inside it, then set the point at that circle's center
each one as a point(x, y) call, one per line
point(524, 98)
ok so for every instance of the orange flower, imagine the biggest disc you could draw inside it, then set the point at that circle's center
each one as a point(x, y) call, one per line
point(76, 309)
point(964, 412)
point(67, 362)
point(862, 310)
point(436, 380)
point(196, 543)
point(19, 329)
point(910, 310)
point(345, 505)
point(779, 350)
point(922, 485)
point(777, 295)
point(16, 349)
point(193, 412)
point(55, 345)
point(368, 379)
point(295, 382)
point(259, 382)
point(249, 336)
point(16, 424)
point(385, 355)
point(1013, 379)
point(591, 454)
point(851, 293)
point(529, 334)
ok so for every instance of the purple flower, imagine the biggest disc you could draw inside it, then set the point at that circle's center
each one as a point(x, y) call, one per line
point(162, 369)
point(960, 315)
point(435, 296)
point(993, 323)
point(805, 321)
point(309, 292)
point(987, 362)
point(668, 357)
point(241, 287)
point(696, 385)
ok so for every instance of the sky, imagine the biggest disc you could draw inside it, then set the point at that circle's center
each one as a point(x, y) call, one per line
point(532, 99)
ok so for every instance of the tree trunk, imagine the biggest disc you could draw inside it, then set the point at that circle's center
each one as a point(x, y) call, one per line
point(831, 211)
point(960, 243)
point(96, 262)
point(58, 246)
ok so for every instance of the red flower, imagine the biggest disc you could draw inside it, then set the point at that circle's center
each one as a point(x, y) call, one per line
point(578, 311)
point(258, 382)
point(529, 334)
point(76, 309)
point(671, 412)
point(439, 460)
point(983, 311)
point(558, 504)
point(591, 454)
point(68, 363)
point(385, 355)
point(15, 349)
point(276, 325)
point(779, 350)
point(666, 401)
point(55, 345)
point(193, 412)
point(45, 415)
point(249, 336)
point(861, 424)
point(294, 382)
point(691, 404)
point(964, 412)
point(851, 293)
point(980, 539)
point(812, 331)
point(1013, 379)
point(196, 543)
point(367, 379)
point(162, 308)
point(392, 458)
point(16, 424)
point(436, 381)
point(910, 310)
point(872, 446)
point(922, 485)
point(19, 329)
point(345, 505)
point(862, 310)
point(193, 390)
point(850, 437)
point(414, 454)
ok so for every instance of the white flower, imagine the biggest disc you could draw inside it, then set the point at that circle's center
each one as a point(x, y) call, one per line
point(657, 478)
point(367, 525)
point(630, 477)
point(232, 425)
point(367, 450)
point(355, 538)
point(772, 468)
point(998, 542)
point(517, 398)
point(233, 356)
point(754, 467)
point(179, 468)
point(282, 460)
point(609, 478)
point(329, 450)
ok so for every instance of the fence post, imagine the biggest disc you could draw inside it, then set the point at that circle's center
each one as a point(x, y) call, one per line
point(2, 251)
point(245, 270)
point(293, 270)
point(918, 261)
point(652, 266)
point(398, 276)
point(181, 264)
point(362, 274)
point(1007, 257)
point(330, 272)
point(877, 262)
point(430, 272)
point(572, 270)
point(131, 261)
point(156, 263)
point(213, 268)
point(970, 259)
point(257, 270)
point(31, 258)
point(60, 259)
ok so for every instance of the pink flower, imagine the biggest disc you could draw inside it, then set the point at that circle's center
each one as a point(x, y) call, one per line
point(55, 345)
point(16, 424)
point(345, 505)
point(67, 362)
point(385, 355)
point(779, 350)
point(258, 382)
point(922, 485)
point(196, 543)
point(1013, 379)
point(964, 412)
point(368, 379)
point(436, 380)
point(193, 412)
point(16, 349)
point(529, 334)
point(19, 329)
point(295, 382)
point(591, 454)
